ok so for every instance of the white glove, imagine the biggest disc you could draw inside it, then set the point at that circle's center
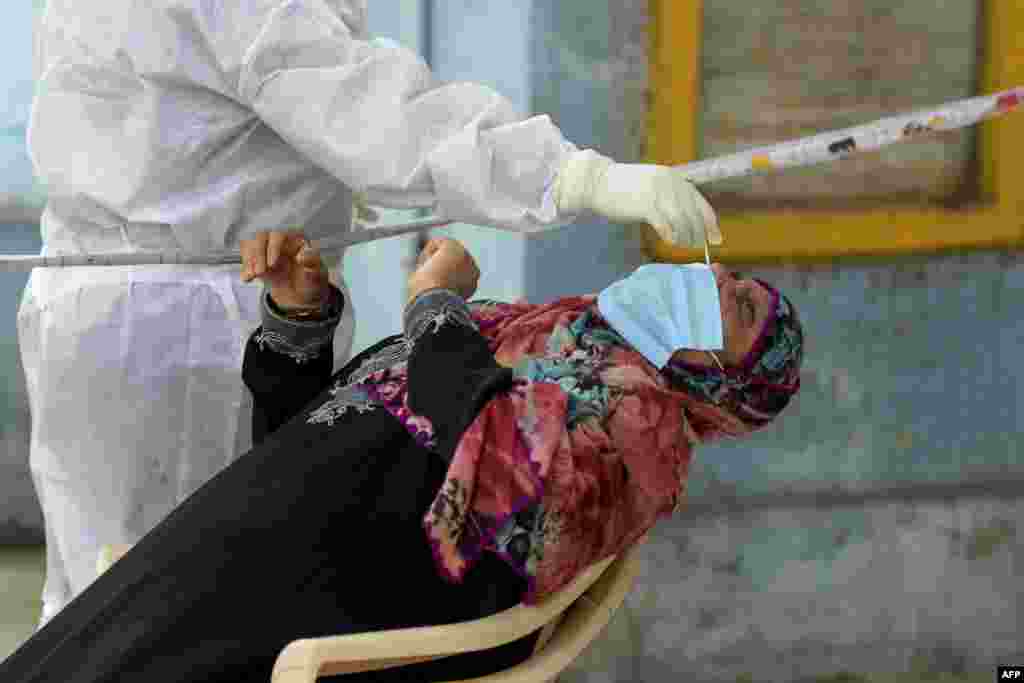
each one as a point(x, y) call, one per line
point(637, 193)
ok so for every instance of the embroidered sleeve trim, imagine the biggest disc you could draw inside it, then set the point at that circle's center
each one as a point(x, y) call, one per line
point(302, 341)
point(354, 393)
point(279, 343)
point(434, 308)
point(388, 357)
point(342, 399)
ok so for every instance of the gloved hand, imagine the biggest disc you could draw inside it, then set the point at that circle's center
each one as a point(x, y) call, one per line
point(637, 193)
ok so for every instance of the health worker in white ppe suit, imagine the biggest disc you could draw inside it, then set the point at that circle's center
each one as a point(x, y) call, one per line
point(198, 125)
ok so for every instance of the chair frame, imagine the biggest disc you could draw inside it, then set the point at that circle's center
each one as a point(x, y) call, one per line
point(570, 620)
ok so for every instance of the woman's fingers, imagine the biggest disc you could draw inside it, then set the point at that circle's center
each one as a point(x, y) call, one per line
point(267, 251)
point(308, 256)
point(429, 249)
point(275, 243)
point(254, 256)
point(284, 244)
point(446, 262)
point(289, 266)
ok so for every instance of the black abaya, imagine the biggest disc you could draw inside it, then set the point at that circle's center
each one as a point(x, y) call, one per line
point(316, 531)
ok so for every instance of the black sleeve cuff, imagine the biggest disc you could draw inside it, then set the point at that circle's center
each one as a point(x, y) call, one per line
point(432, 309)
point(300, 340)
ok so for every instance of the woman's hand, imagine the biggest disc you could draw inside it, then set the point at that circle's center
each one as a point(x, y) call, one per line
point(444, 263)
point(289, 266)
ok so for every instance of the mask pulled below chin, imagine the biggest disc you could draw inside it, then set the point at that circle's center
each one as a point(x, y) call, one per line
point(661, 308)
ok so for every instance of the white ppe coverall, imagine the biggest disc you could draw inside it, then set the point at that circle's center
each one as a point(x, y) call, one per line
point(192, 124)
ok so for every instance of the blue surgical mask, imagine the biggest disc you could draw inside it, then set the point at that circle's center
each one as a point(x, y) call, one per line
point(661, 308)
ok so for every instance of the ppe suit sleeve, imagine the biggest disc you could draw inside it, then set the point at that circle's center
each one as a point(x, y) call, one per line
point(372, 115)
point(287, 364)
point(452, 372)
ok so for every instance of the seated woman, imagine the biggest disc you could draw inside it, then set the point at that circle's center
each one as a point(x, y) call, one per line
point(484, 457)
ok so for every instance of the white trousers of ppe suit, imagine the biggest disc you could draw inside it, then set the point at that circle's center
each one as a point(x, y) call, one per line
point(134, 377)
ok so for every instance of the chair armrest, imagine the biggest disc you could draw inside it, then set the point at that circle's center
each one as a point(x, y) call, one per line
point(302, 661)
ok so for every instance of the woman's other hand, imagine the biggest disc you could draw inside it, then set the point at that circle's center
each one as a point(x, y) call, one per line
point(444, 263)
point(289, 266)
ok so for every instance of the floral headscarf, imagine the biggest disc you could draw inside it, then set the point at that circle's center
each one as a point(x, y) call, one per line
point(762, 385)
point(581, 459)
point(590, 447)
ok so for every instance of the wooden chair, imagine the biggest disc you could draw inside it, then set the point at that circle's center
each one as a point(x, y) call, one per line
point(571, 619)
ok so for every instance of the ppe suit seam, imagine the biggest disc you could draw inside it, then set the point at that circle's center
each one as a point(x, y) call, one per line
point(247, 55)
point(191, 381)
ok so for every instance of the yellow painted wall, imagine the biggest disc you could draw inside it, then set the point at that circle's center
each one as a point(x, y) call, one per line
point(809, 235)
